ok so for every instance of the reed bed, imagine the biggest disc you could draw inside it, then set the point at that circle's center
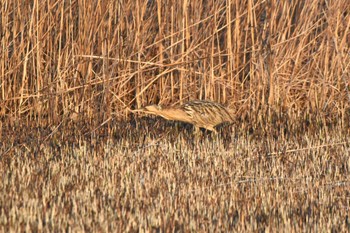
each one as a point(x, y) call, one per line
point(73, 157)
point(94, 60)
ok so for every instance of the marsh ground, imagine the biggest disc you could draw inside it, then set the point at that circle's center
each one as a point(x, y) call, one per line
point(73, 157)
point(161, 179)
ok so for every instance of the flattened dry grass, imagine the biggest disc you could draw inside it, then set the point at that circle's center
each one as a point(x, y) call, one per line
point(73, 158)
point(159, 181)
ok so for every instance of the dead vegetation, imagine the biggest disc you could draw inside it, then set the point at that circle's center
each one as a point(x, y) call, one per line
point(73, 158)
point(144, 181)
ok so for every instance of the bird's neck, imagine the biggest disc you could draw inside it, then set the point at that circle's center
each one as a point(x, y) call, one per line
point(175, 114)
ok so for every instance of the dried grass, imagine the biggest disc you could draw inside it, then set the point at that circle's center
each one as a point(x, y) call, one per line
point(73, 158)
point(99, 58)
point(145, 182)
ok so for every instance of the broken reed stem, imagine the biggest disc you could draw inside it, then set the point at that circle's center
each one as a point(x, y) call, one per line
point(303, 149)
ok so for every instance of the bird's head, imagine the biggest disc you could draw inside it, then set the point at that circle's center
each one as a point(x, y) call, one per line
point(149, 109)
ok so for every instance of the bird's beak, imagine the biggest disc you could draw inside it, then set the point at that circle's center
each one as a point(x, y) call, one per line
point(138, 110)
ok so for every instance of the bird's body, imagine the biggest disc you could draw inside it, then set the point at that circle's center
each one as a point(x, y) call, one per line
point(200, 113)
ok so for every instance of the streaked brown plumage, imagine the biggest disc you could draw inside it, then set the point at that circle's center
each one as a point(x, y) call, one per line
point(200, 113)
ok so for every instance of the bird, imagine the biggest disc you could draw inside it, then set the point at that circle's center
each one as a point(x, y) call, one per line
point(200, 113)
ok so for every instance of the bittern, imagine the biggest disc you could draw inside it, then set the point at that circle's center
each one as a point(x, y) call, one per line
point(200, 113)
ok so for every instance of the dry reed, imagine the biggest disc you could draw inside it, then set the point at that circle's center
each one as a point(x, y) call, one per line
point(72, 157)
point(270, 58)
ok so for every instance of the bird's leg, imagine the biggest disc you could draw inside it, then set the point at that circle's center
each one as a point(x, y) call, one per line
point(214, 135)
point(197, 131)
point(197, 135)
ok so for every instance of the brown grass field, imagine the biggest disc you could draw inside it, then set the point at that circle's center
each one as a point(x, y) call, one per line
point(73, 158)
